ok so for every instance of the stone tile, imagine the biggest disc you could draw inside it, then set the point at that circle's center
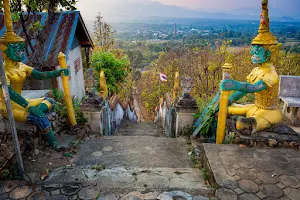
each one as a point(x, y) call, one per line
point(271, 190)
point(173, 195)
point(51, 187)
point(248, 196)
point(284, 169)
point(248, 186)
point(200, 198)
point(9, 185)
point(293, 152)
point(55, 192)
point(228, 160)
point(274, 151)
point(246, 163)
point(2, 188)
point(292, 194)
point(230, 170)
point(258, 181)
point(261, 150)
point(264, 166)
point(225, 181)
point(88, 193)
point(236, 177)
point(236, 166)
point(59, 197)
point(290, 181)
point(267, 177)
point(20, 192)
point(70, 190)
point(4, 196)
point(280, 185)
point(226, 194)
point(109, 197)
point(147, 196)
point(284, 198)
point(281, 159)
point(226, 153)
point(74, 197)
point(238, 191)
point(259, 156)
point(246, 174)
point(246, 153)
point(40, 195)
point(261, 195)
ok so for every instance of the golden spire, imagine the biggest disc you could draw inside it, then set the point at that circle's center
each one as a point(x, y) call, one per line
point(9, 36)
point(264, 37)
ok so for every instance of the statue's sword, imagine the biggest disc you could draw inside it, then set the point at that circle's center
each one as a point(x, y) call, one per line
point(223, 106)
point(65, 82)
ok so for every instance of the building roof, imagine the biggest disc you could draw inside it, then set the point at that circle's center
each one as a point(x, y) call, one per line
point(62, 33)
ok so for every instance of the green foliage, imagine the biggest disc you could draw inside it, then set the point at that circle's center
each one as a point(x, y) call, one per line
point(61, 108)
point(116, 70)
point(98, 167)
point(205, 174)
point(230, 138)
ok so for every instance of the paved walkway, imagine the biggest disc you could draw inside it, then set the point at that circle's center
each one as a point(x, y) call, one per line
point(138, 163)
point(254, 173)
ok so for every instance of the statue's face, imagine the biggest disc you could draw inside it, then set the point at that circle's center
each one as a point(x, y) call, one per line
point(259, 54)
point(16, 51)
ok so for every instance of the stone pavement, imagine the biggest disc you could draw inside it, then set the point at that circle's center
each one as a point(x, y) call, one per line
point(139, 163)
point(254, 173)
point(84, 191)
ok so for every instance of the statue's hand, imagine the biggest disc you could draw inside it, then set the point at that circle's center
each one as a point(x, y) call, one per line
point(65, 72)
point(230, 85)
point(36, 112)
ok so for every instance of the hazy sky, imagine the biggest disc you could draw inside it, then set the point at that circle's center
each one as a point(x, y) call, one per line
point(90, 8)
point(220, 4)
point(213, 4)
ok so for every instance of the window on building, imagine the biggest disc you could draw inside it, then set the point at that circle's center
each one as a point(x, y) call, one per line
point(77, 65)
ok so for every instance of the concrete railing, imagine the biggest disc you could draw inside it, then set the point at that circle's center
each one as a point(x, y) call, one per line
point(166, 115)
point(178, 119)
point(104, 117)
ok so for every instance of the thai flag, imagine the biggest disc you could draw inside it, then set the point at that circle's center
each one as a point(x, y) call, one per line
point(163, 77)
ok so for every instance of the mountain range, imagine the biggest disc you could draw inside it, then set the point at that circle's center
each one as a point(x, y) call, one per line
point(143, 10)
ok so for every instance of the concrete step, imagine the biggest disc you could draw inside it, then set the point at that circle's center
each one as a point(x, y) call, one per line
point(134, 151)
point(140, 129)
point(125, 180)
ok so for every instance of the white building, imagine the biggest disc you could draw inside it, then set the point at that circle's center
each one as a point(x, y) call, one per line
point(68, 35)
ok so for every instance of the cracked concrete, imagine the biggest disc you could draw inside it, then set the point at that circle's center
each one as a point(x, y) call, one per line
point(139, 179)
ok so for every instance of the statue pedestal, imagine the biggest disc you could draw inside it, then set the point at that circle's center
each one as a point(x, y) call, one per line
point(92, 108)
point(186, 108)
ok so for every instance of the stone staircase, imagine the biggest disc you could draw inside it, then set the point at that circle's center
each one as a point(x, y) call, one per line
point(137, 158)
point(129, 128)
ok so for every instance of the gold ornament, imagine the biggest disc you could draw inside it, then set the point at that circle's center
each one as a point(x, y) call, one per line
point(9, 37)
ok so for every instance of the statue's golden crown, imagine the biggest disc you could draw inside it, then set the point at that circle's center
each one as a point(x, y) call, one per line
point(264, 37)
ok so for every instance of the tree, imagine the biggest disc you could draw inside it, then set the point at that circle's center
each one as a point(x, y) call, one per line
point(103, 33)
point(115, 69)
point(23, 9)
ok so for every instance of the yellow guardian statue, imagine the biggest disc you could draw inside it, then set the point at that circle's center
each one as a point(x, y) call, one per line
point(263, 81)
point(103, 86)
point(24, 110)
point(176, 87)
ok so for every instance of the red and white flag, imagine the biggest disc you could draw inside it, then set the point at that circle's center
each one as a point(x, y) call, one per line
point(163, 77)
